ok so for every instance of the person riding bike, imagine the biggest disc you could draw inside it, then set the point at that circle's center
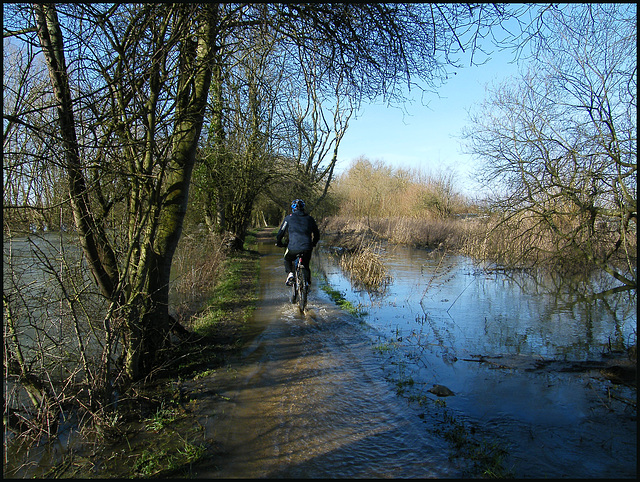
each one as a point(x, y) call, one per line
point(303, 237)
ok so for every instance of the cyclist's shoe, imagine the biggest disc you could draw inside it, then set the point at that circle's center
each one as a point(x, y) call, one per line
point(290, 279)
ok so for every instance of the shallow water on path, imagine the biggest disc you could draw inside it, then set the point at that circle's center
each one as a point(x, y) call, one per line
point(308, 399)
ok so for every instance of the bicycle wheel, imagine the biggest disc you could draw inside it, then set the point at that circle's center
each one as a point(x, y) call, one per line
point(301, 278)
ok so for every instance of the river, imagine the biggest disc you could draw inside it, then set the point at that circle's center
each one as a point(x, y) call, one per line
point(327, 394)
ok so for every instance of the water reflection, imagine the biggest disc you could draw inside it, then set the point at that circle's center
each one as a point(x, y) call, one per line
point(475, 311)
point(490, 336)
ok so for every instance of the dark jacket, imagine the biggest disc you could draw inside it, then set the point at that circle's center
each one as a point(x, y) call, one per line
point(303, 232)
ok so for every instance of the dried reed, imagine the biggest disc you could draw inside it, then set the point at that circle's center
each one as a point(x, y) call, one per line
point(526, 241)
point(196, 266)
point(426, 233)
point(365, 267)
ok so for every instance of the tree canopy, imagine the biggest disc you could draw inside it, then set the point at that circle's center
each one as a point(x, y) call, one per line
point(104, 109)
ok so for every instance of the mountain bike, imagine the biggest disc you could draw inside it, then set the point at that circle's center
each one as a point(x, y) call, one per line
point(300, 286)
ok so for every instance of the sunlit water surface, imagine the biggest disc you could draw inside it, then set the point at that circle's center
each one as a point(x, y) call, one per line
point(441, 314)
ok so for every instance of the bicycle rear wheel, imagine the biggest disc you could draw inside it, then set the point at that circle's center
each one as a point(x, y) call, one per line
point(302, 283)
point(293, 297)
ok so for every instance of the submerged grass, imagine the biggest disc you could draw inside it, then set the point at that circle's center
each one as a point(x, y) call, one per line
point(365, 267)
point(161, 419)
point(488, 457)
point(168, 462)
point(484, 457)
point(339, 299)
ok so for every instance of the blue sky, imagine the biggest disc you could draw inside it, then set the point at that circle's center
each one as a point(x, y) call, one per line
point(424, 136)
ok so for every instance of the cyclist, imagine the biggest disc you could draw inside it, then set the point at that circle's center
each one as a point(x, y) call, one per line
point(303, 237)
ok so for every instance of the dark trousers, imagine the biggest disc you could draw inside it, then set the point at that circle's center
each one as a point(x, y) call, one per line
point(289, 258)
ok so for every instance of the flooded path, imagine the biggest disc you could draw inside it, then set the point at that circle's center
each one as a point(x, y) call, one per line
point(308, 399)
point(330, 395)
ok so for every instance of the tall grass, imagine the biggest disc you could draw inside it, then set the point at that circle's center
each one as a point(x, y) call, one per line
point(376, 202)
point(425, 233)
point(525, 241)
point(195, 270)
point(400, 206)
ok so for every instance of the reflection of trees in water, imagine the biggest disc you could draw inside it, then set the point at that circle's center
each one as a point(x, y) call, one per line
point(539, 330)
point(585, 297)
point(470, 309)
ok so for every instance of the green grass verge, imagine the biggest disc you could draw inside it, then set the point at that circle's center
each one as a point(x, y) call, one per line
point(339, 299)
point(233, 299)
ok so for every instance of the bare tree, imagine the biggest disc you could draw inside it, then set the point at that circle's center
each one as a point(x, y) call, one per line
point(333, 56)
point(237, 156)
point(314, 123)
point(347, 53)
point(560, 142)
point(32, 194)
point(130, 84)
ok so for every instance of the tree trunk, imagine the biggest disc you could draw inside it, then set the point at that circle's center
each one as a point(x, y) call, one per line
point(97, 250)
point(149, 323)
point(143, 300)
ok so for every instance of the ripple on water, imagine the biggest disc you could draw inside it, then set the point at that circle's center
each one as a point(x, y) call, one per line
point(308, 399)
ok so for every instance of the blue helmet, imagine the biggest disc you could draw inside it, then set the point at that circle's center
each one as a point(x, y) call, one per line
point(297, 205)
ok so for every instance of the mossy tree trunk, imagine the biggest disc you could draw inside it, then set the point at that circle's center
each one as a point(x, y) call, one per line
point(156, 156)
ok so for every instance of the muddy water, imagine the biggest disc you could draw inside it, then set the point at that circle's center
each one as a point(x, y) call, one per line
point(309, 399)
